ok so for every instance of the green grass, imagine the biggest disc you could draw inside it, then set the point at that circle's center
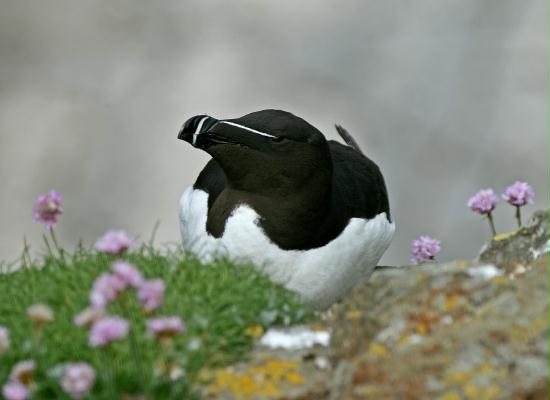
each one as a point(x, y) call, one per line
point(217, 302)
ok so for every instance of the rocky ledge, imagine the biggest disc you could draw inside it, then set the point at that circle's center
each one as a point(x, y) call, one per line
point(467, 329)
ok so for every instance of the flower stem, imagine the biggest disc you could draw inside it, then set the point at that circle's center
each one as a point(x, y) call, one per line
point(25, 256)
point(108, 372)
point(134, 348)
point(59, 249)
point(518, 215)
point(492, 223)
point(48, 246)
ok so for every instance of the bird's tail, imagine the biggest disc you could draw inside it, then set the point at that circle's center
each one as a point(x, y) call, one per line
point(350, 141)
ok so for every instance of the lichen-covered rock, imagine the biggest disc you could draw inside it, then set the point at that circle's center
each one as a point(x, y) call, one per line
point(459, 330)
point(520, 247)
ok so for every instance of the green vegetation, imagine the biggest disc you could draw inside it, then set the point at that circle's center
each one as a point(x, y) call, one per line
point(217, 303)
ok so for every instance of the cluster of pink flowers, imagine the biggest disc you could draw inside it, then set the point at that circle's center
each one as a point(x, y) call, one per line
point(518, 195)
point(47, 208)
point(108, 286)
point(114, 242)
point(77, 380)
point(424, 249)
point(106, 289)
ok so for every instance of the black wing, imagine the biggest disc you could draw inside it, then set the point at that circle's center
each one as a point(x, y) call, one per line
point(211, 180)
point(358, 186)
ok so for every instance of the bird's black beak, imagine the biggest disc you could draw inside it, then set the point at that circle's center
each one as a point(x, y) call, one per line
point(196, 131)
point(203, 132)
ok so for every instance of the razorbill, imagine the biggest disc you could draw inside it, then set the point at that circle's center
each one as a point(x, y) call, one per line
point(313, 214)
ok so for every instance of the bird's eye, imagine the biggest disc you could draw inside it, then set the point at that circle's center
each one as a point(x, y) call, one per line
point(278, 139)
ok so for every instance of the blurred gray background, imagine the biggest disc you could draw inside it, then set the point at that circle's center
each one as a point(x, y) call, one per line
point(446, 96)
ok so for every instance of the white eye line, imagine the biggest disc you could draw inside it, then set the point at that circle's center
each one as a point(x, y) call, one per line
point(198, 130)
point(247, 128)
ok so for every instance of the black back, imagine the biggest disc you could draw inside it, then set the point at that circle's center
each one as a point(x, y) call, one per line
point(358, 191)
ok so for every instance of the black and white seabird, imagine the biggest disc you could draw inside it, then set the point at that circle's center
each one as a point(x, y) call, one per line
point(313, 214)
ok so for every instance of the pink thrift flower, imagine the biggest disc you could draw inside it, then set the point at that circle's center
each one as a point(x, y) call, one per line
point(163, 327)
point(151, 294)
point(4, 339)
point(424, 248)
point(519, 194)
point(128, 273)
point(78, 379)
point(114, 242)
point(47, 208)
point(108, 329)
point(106, 289)
point(483, 202)
point(15, 391)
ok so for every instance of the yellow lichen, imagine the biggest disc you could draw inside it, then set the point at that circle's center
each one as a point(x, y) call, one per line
point(377, 350)
point(503, 236)
point(451, 395)
point(491, 392)
point(452, 301)
point(365, 391)
point(471, 391)
point(519, 333)
point(458, 377)
point(462, 263)
point(354, 314)
point(538, 324)
point(422, 329)
point(499, 280)
point(265, 379)
point(294, 378)
point(254, 331)
point(403, 341)
point(421, 277)
point(485, 368)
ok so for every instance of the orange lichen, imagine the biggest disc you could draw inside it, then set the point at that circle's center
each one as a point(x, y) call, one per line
point(265, 379)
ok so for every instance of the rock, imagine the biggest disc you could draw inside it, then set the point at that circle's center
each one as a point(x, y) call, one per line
point(518, 249)
point(460, 330)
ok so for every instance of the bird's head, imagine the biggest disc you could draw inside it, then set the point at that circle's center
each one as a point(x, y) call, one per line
point(264, 151)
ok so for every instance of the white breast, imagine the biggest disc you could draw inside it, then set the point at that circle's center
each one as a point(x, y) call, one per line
point(321, 275)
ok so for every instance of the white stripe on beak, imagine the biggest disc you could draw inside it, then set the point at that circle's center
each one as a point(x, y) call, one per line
point(198, 130)
point(247, 128)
